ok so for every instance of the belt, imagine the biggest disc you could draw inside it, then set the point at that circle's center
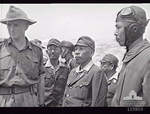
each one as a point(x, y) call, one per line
point(14, 90)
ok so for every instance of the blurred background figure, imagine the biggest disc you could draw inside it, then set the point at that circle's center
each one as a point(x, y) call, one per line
point(1, 40)
point(109, 64)
point(66, 56)
point(53, 51)
point(55, 75)
point(38, 43)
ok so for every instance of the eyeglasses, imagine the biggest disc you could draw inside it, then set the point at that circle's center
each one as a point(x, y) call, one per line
point(105, 63)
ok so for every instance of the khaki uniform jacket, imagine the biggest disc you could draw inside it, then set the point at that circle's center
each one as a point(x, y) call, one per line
point(86, 90)
point(20, 69)
point(112, 84)
point(135, 74)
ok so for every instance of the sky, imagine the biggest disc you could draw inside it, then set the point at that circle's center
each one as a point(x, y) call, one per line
point(71, 21)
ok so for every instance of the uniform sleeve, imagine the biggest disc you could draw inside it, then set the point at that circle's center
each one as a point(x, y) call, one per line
point(59, 86)
point(41, 66)
point(41, 84)
point(99, 90)
point(146, 85)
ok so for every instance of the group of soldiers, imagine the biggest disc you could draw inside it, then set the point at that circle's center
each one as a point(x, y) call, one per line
point(65, 75)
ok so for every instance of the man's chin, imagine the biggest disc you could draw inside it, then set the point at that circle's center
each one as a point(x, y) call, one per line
point(121, 44)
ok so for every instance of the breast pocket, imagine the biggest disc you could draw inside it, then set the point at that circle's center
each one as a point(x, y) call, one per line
point(30, 66)
point(82, 89)
point(5, 64)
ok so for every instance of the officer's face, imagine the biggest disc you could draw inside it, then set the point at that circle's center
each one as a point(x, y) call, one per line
point(17, 28)
point(120, 33)
point(106, 66)
point(64, 51)
point(53, 51)
point(82, 54)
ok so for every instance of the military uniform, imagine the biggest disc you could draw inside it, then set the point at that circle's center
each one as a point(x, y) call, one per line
point(112, 84)
point(135, 72)
point(55, 78)
point(85, 88)
point(108, 61)
point(19, 74)
point(55, 81)
point(66, 56)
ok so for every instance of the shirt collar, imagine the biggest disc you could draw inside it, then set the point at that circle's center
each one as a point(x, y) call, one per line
point(49, 64)
point(134, 51)
point(28, 43)
point(112, 77)
point(85, 68)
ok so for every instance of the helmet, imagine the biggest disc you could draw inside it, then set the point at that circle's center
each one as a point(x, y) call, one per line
point(136, 17)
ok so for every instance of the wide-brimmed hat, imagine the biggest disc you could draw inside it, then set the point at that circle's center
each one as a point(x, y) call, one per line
point(15, 13)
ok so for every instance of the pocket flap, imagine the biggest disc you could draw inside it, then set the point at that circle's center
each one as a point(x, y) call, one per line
point(82, 83)
point(32, 58)
point(4, 53)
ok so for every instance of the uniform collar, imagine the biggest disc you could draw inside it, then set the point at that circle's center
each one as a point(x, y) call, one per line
point(49, 64)
point(85, 68)
point(135, 50)
point(28, 43)
point(112, 77)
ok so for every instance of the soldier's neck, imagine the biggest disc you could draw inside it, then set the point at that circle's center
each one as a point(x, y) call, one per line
point(110, 74)
point(54, 62)
point(85, 63)
point(135, 42)
point(19, 43)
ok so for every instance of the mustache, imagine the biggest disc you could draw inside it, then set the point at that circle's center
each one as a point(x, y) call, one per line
point(77, 56)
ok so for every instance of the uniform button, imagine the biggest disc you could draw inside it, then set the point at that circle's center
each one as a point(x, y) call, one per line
point(70, 87)
point(67, 95)
point(81, 85)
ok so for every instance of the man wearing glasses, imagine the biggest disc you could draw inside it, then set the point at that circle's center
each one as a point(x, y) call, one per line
point(56, 75)
point(135, 73)
point(109, 64)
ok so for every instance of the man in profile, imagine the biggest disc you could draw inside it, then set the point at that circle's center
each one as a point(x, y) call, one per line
point(135, 73)
point(109, 64)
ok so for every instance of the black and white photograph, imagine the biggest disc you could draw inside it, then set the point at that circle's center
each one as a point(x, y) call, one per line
point(75, 55)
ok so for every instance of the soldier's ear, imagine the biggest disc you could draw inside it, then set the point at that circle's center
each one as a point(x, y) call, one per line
point(147, 22)
point(91, 52)
point(27, 26)
point(112, 66)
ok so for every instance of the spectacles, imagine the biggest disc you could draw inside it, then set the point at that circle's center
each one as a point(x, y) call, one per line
point(105, 63)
